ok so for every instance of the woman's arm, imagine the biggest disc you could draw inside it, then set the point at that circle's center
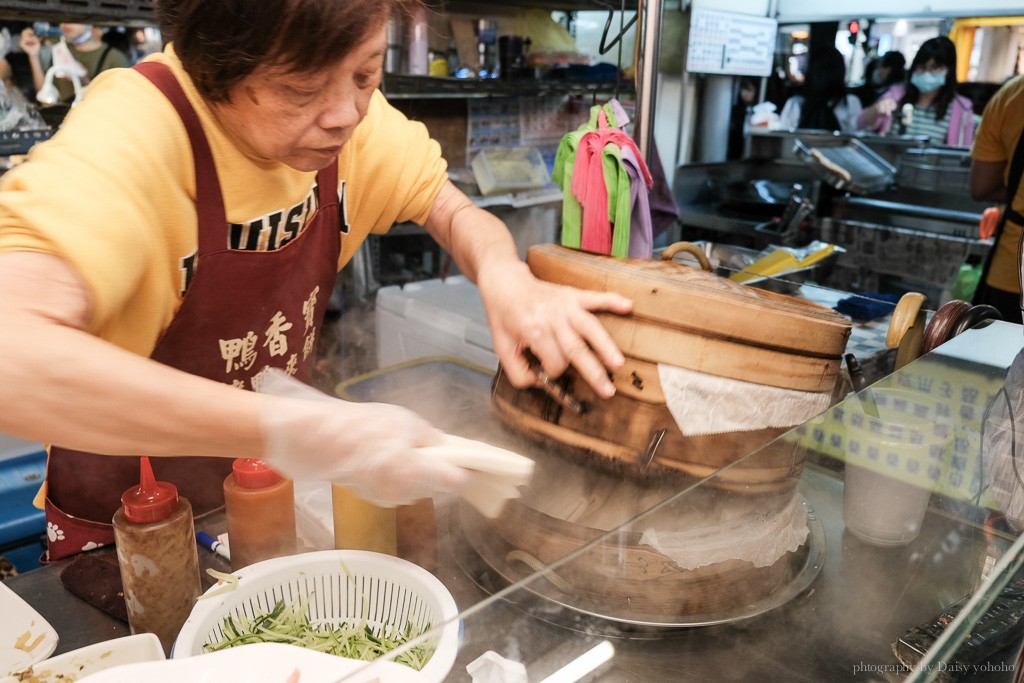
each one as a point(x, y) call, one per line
point(987, 182)
point(31, 46)
point(60, 384)
point(556, 323)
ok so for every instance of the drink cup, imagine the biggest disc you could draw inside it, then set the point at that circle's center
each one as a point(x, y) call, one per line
point(895, 456)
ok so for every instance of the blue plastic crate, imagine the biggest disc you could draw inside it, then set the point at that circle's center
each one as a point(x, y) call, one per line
point(22, 526)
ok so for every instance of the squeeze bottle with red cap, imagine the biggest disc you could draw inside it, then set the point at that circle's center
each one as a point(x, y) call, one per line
point(156, 550)
point(260, 508)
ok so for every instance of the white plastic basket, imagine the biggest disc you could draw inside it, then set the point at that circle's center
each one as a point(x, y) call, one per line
point(342, 586)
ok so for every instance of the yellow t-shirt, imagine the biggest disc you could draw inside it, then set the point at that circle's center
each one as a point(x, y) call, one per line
point(1001, 127)
point(113, 194)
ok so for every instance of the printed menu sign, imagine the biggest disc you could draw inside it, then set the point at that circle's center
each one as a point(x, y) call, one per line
point(732, 44)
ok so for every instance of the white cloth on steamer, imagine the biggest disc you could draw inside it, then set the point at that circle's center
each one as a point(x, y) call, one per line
point(707, 404)
point(758, 536)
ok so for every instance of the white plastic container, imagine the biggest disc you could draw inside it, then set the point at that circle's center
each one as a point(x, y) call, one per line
point(433, 318)
point(894, 462)
point(500, 170)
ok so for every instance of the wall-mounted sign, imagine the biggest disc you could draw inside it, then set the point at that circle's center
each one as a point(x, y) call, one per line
point(729, 43)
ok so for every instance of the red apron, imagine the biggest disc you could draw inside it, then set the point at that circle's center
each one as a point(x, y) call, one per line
point(243, 312)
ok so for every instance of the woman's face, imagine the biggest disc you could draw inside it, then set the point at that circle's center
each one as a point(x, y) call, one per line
point(929, 77)
point(304, 119)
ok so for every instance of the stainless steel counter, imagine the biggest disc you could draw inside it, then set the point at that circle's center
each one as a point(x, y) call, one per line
point(834, 617)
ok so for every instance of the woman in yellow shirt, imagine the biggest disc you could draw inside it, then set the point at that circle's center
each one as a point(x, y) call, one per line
point(177, 240)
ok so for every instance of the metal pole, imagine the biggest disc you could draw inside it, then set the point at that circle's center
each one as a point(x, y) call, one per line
point(649, 72)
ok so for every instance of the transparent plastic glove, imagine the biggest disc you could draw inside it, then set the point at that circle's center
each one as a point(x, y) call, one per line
point(371, 448)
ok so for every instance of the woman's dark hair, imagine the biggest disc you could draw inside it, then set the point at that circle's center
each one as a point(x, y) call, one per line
point(943, 51)
point(824, 88)
point(220, 42)
point(897, 64)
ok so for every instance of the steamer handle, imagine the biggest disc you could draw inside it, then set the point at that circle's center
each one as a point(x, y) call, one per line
point(690, 248)
point(536, 565)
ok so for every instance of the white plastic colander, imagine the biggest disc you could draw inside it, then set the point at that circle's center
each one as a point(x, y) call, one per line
point(342, 586)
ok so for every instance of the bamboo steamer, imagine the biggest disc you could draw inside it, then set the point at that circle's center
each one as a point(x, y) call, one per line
point(690, 318)
point(621, 578)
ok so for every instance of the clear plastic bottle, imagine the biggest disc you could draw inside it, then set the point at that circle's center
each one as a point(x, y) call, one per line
point(156, 550)
point(361, 525)
point(260, 507)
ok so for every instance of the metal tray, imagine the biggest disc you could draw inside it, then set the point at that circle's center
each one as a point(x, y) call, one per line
point(935, 169)
point(849, 166)
point(21, 141)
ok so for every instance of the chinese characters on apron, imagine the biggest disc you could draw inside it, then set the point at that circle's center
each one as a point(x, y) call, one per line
point(243, 312)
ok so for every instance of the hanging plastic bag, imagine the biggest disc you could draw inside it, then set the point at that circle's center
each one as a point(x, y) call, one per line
point(1002, 447)
point(764, 116)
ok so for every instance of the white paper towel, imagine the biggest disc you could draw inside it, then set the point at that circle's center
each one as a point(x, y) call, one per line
point(706, 404)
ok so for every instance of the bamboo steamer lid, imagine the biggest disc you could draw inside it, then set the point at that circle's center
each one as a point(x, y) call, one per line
point(691, 318)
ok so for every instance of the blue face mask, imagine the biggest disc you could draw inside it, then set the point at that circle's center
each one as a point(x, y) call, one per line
point(928, 81)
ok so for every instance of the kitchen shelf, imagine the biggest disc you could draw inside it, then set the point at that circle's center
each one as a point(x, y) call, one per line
point(120, 12)
point(398, 86)
point(562, 5)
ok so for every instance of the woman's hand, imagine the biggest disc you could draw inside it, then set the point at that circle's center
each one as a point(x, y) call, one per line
point(372, 448)
point(885, 106)
point(555, 323)
point(30, 43)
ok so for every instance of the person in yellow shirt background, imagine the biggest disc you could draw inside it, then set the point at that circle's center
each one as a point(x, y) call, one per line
point(996, 170)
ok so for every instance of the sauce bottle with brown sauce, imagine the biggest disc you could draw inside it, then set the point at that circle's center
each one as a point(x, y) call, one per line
point(156, 550)
point(260, 507)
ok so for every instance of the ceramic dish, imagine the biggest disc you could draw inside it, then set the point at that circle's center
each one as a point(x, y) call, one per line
point(77, 664)
point(25, 637)
point(262, 662)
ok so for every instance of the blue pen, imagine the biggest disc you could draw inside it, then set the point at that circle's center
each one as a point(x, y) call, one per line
point(211, 543)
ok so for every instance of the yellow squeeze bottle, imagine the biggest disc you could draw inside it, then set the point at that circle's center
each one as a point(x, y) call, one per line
point(361, 525)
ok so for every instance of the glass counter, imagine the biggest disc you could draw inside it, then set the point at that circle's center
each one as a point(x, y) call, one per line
point(753, 572)
point(888, 520)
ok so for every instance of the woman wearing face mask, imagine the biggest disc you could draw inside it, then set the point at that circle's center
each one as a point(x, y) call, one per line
point(881, 74)
point(928, 103)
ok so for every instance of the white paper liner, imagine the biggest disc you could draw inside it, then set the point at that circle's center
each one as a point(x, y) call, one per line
point(758, 537)
point(707, 404)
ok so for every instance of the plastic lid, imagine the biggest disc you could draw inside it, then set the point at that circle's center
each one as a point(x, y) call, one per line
point(151, 500)
point(251, 473)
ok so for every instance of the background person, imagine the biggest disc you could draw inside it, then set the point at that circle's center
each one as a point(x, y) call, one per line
point(823, 103)
point(996, 169)
point(180, 239)
point(746, 98)
point(935, 108)
point(880, 74)
point(87, 47)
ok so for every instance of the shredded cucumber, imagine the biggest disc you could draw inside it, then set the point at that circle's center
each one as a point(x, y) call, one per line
point(291, 625)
